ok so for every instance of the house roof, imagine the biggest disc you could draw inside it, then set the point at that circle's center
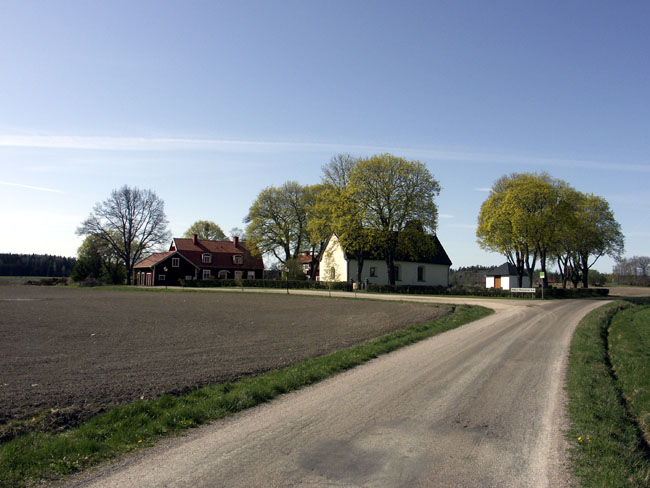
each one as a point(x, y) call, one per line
point(434, 254)
point(506, 269)
point(221, 251)
point(153, 259)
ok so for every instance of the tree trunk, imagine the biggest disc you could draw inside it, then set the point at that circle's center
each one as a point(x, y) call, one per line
point(390, 268)
point(585, 272)
point(359, 258)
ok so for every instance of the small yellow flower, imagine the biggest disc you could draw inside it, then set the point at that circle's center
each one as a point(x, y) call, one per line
point(580, 439)
point(140, 441)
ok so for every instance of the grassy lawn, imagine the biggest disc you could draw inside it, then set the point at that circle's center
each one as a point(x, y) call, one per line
point(607, 364)
point(40, 456)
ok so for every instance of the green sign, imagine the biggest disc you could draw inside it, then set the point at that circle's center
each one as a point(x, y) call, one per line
point(541, 275)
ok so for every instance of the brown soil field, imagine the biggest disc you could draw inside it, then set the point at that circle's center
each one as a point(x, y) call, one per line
point(81, 351)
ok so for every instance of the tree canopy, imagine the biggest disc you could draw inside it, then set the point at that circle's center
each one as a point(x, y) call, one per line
point(205, 229)
point(277, 221)
point(131, 222)
point(530, 216)
point(390, 193)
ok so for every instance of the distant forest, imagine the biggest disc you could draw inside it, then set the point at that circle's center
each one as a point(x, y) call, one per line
point(35, 265)
point(469, 275)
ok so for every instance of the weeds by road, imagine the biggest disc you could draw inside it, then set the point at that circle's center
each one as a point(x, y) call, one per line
point(605, 368)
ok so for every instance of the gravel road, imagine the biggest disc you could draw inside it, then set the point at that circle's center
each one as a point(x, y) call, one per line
point(482, 405)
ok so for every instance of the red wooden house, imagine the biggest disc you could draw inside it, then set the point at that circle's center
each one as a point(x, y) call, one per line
point(199, 259)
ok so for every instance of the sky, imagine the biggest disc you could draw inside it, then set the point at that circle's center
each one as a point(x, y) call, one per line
point(207, 103)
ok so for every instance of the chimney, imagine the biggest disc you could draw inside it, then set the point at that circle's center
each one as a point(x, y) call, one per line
point(235, 241)
point(195, 239)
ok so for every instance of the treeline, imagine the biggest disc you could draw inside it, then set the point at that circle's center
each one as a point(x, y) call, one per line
point(632, 271)
point(35, 265)
point(469, 275)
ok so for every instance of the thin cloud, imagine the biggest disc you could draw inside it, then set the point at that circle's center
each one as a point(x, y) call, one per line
point(30, 187)
point(447, 216)
point(484, 190)
point(233, 145)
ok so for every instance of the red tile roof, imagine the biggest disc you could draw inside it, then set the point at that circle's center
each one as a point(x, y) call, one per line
point(154, 259)
point(222, 253)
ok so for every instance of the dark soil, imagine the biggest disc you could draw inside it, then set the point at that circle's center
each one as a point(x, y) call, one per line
point(67, 354)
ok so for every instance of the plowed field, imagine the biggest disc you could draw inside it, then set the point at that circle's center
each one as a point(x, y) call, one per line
point(84, 350)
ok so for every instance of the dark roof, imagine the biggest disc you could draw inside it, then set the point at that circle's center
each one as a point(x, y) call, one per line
point(506, 269)
point(435, 254)
point(221, 251)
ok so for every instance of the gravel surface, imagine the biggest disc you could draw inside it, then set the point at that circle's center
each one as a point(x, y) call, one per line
point(478, 406)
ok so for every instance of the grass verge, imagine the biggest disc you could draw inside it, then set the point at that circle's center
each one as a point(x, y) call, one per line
point(607, 448)
point(40, 456)
point(629, 350)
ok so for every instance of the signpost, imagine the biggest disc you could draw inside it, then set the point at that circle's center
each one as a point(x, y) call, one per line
point(541, 277)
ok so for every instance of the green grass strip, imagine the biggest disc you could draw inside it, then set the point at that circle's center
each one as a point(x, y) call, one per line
point(41, 456)
point(606, 448)
point(629, 341)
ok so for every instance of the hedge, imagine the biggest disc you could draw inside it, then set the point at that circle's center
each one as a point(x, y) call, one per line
point(480, 291)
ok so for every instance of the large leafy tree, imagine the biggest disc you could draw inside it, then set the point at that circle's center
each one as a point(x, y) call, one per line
point(277, 221)
point(597, 233)
point(97, 260)
point(131, 222)
point(390, 193)
point(533, 216)
point(205, 229)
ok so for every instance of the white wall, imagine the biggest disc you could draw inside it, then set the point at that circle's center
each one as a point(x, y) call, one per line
point(434, 274)
point(507, 282)
point(333, 257)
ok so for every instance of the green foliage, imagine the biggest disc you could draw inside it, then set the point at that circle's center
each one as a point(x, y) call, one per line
point(533, 216)
point(131, 222)
point(392, 193)
point(277, 221)
point(606, 446)
point(206, 230)
point(35, 265)
point(97, 261)
point(281, 284)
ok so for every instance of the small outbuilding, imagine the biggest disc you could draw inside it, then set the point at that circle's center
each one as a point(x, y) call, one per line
point(504, 277)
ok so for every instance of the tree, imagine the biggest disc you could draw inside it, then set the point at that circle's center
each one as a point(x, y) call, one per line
point(205, 229)
point(97, 260)
point(237, 232)
point(597, 233)
point(390, 193)
point(131, 222)
point(277, 221)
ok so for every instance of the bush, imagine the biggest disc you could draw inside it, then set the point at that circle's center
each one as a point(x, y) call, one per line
point(280, 284)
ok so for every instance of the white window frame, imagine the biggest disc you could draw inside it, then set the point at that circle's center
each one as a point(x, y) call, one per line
point(176, 262)
point(239, 275)
point(223, 274)
point(206, 258)
point(162, 277)
point(238, 259)
point(207, 274)
point(250, 275)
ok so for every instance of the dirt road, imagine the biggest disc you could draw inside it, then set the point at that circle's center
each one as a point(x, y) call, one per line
point(481, 405)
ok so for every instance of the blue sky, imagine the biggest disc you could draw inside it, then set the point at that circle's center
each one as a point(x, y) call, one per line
point(207, 103)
